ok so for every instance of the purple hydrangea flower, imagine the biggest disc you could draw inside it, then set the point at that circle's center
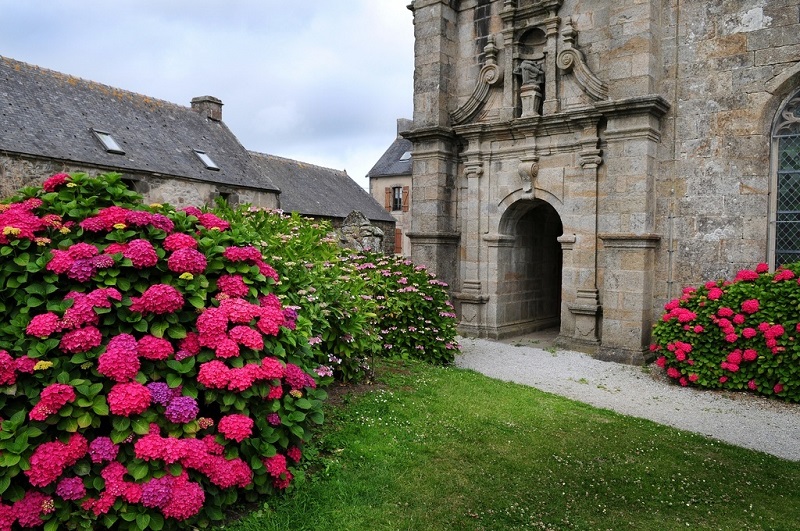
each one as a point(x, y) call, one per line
point(182, 409)
point(71, 489)
point(160, 392)
point(102, 449)
point(157, 492)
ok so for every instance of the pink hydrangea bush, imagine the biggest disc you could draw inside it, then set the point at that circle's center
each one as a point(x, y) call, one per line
point(415, 316)
point(145, 357)
point(742, 334)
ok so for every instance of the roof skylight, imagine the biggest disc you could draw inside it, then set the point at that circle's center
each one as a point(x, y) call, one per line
point(207, 161)
point(108, 142)
point(405, 156)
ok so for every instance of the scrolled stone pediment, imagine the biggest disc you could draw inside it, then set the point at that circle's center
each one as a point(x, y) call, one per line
point(491, 74)
point(571, 59)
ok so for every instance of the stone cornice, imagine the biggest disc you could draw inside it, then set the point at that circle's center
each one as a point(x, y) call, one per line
point(630, 241)
point(429, 133)
point(450, 238)
point(652, 104)
point(567, 121)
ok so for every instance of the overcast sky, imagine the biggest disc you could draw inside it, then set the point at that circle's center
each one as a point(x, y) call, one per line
point(321, 81)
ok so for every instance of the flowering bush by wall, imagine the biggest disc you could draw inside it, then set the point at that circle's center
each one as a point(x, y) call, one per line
point(415, 316)
point(149, 373)
point(738, 335)
point(335, 304)
point(357, 305)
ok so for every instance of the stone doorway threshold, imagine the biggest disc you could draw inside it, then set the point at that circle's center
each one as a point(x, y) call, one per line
point(543, 339)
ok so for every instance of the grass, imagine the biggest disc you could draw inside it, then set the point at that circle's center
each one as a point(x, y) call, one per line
point(433, 448)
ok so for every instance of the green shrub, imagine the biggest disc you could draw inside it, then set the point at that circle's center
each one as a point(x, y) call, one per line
point(149, 375)
point(737, 335)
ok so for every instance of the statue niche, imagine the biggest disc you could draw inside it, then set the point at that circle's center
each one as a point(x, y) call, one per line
point(530, 69)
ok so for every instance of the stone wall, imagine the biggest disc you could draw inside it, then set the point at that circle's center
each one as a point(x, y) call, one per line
point(652, 144)
point(17, 171)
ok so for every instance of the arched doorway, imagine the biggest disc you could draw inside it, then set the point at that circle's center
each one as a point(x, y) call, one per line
point(529, 271)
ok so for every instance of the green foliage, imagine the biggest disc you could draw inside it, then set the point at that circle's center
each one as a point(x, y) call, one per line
point(66, 294)
point(739, 335)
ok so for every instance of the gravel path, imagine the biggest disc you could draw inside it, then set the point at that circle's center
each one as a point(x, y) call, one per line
point(736, 418)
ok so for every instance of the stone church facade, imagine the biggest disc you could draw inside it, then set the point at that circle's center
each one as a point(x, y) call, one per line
point(577, 162)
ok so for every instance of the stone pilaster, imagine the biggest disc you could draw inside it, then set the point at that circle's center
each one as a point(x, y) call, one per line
point(433, 238)
point(471, 298)
point(627, 296)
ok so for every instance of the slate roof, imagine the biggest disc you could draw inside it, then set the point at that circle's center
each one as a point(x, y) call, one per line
point(47, 114)
point(317, 191)
point(390, 164)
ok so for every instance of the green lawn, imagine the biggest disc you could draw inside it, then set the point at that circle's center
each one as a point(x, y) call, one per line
point(430, 448)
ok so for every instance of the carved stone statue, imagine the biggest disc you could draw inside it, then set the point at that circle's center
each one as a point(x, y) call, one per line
point(531, 72)
point(359, 234)
point(530, 91)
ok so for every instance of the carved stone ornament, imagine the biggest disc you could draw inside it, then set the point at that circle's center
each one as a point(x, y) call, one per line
point(789, 120)
point(490, 75)
point(528, 171)
point(358, 233)
point(572, 59)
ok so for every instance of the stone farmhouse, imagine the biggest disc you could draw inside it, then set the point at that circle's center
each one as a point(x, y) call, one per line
point(52, 122)
point(390, 183)
point(324, 193)
point(577, 162)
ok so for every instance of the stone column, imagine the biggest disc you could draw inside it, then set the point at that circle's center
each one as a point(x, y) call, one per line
point(627, 296)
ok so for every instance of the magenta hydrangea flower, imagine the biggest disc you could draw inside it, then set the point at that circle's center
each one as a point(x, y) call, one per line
point(232, 285)
point(158, 299)
point(141, 254)
point(214, 375)
point(81, 340)
point(55, 181)
point(186, 500)
point(750, 306)
point(187, 261)
point(52, 399)
point(126, 399)
point(210, 221)
point(154, 348)
point(43, 325)
point(179, 240)
point(235, 427)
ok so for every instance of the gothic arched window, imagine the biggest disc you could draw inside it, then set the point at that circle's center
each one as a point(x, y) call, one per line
point(785, 233)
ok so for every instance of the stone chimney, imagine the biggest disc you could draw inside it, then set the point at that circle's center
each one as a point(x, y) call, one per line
point(404, 124)
point(208, 105)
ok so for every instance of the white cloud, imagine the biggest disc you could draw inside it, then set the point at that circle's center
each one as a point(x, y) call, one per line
point(321, 81)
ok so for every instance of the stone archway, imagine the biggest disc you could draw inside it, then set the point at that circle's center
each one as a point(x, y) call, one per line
point(529, 269)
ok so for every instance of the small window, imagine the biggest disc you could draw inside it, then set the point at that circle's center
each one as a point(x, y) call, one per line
point(207, 161)
point(405, 156)
point(108, 142)
point(397, 198)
